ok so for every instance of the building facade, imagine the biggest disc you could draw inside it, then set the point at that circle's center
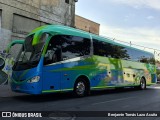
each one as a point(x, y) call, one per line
point(86, 25)
point(19, 17)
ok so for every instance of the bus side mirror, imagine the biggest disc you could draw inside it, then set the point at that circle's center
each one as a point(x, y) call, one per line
point(2, 63)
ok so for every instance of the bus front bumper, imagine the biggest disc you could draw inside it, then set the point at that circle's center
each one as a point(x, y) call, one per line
point(29, 88)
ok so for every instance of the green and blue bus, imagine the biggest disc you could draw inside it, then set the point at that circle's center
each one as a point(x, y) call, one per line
point(57, 58)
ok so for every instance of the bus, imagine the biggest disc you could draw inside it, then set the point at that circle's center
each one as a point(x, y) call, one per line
point(7, 62)
point(56, 58)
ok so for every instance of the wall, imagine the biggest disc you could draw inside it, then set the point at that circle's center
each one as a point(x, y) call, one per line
point(19, 17)
point(86, 25)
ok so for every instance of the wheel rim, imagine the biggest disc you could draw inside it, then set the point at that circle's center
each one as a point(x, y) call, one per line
point(80, 88)
point(142, 84)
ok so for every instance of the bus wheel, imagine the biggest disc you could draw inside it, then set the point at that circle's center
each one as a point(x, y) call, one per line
point(142, 84)
point(80, 88)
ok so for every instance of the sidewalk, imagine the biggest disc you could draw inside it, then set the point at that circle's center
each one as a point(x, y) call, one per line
point(5, 91)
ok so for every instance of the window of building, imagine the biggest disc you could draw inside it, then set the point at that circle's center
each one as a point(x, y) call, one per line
point(67, 1)
point(20, 27)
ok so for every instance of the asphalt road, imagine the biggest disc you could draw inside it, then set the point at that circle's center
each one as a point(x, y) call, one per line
point(106, 100)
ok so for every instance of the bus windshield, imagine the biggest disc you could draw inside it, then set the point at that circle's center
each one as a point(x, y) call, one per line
point(29, 54)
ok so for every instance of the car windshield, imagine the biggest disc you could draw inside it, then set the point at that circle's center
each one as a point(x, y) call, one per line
point(29, 54)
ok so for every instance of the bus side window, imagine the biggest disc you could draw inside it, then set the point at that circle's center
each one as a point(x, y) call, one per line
point(75, 46)
point(53, 53)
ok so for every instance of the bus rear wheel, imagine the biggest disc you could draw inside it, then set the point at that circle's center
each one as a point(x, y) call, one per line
point(142, 85)
point(80, 88)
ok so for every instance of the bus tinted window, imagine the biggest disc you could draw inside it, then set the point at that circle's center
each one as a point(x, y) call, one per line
point(53, 53)
point(63, 47)
point(114, 51)
point(103, 49)
point(144, 57)
point(120, 52)
point(147, 58)
point(136, 55)
point(73, 46)
point(128, 52)
point(109, 50)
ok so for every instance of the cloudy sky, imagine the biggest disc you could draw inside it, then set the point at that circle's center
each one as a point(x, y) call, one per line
point(137, 21)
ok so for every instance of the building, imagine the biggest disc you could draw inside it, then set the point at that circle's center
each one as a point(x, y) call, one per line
point(19, 17)
point(86, 25)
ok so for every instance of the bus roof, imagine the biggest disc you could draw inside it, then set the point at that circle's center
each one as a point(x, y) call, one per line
point(60, 29)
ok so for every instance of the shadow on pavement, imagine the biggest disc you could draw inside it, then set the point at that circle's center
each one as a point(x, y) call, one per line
point(69, 95)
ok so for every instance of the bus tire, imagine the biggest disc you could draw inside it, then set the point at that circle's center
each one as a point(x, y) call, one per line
point(142, 85)
point(81, 88)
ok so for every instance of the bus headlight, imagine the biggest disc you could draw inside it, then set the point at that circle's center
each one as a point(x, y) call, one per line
point(34, 79)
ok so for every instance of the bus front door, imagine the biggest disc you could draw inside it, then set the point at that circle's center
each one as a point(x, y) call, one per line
point(52, 67)
point(51, 78)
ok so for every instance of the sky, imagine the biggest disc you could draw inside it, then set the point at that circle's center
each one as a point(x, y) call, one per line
point(137, 21)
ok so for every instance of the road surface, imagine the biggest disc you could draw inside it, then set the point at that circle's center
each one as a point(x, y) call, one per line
point(106, 100)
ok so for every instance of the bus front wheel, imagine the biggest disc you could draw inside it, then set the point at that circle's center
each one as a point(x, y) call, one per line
point(142, 84)
point(80, 88)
